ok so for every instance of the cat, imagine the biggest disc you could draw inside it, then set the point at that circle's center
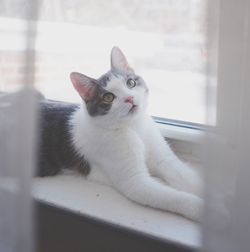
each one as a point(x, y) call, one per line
point(111, 140)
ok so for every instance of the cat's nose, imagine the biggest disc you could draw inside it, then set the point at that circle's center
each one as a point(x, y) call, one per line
point(129, 99)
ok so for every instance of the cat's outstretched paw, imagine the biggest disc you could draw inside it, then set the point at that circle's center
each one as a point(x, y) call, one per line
point(191, 207)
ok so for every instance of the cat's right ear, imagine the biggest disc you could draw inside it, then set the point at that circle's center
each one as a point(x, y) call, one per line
point(119, 61)
point(83, 84)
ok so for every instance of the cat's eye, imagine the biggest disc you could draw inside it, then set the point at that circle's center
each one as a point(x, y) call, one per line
point(131, 83)
point(108, 97)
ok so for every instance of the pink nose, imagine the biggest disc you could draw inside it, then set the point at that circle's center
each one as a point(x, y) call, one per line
point(129, 99)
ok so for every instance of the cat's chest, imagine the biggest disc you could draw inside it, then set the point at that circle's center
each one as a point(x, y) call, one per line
point(120, 138)
point(94, 142)
point(101, 142)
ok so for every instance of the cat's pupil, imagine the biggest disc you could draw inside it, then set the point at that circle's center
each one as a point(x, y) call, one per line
point(131, 83)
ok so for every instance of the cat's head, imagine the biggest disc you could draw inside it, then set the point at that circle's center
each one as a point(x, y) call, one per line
point(117, 96)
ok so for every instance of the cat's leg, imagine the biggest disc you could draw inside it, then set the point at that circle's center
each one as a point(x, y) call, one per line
point(163, 163)
point(144, 189)
point(124, 163)
point(178, 175)
point(97, 175)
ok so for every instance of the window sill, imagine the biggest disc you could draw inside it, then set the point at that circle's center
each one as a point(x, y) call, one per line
point(103, 203)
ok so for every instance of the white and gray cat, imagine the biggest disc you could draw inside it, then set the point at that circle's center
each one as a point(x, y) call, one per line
point(112, 140)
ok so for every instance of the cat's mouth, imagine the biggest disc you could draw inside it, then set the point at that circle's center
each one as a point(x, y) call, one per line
point(133, 109)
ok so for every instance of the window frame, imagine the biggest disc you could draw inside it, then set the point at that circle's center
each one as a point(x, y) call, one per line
point(180, 130)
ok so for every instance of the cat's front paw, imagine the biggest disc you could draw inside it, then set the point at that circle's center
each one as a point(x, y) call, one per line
point(191, 207)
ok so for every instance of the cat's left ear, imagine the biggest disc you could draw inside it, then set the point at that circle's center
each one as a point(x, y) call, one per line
point(119, 61)
point(84, 85)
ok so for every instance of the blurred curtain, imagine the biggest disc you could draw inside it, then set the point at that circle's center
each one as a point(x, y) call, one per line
point(227, 156)
point(227, 159)
point(17, 147)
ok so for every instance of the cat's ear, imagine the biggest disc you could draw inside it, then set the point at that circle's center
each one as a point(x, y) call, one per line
point(83, 84)
point(119, 61)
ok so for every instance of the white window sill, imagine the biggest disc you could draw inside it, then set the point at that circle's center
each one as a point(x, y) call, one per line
point(78, 195)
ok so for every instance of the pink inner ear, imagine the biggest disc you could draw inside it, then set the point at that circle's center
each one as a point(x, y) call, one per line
point(85, 91)
point(82, 86)
point(123, 64)
point(119, 61)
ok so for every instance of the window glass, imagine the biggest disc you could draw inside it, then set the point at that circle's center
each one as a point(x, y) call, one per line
point(164, 40)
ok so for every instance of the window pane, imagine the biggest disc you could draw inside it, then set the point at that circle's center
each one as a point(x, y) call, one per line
point(163, 40)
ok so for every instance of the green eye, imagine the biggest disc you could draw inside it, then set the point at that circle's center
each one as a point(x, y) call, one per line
point(108, 97)
point(131, 83)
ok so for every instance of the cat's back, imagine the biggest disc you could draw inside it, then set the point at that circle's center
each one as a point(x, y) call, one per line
point(56, 150)
point(54, 118)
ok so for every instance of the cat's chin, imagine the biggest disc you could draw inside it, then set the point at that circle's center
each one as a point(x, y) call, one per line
point(129, 118)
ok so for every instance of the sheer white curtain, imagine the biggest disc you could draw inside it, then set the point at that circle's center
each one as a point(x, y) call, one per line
point(227, 147)
point(17, 148)
point(227, 162)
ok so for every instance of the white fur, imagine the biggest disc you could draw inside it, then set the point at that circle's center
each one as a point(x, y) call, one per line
point(125, 158)
point(128, 152)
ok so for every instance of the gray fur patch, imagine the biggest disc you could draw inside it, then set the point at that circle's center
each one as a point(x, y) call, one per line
point(105, 78)
point(96, 106)
point(56, 150)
